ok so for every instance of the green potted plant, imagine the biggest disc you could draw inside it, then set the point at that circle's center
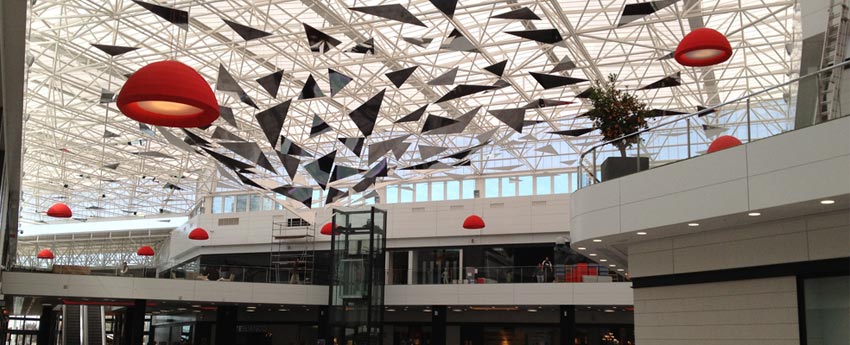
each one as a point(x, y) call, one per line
point(617, 113)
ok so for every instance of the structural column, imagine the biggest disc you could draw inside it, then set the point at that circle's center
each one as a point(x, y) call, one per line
point(324, 325)
point(225, 325)
point(567, 324)
point(46, 323)
point(133, 331)
point(438, 325)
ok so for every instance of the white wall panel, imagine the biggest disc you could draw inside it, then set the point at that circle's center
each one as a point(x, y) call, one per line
point(510, 294)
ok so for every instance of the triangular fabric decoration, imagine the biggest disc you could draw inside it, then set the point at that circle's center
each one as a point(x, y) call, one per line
point(394, 12)
point(428, 166)
point(667, 56)
point(227, 161)
point(364, 184)
point(466, 152)
point(486, 136)
point(248, 181)
point(246, 32)
point(271, 82)
point(414, 116)
point(447, 78)
point(222, 172)
point(106, 96)
point(548, 36)
point(271, 121)
point(145, 129)
point(632, 12)
point(713, 131)
point(527, 123)
point(565, 64)
point(247, 100)
point(226, 113)
point(499, 84)
point(497, 68)
point(585, 94)
point(549, 81)
point(291, 148)
point(112, 166)
point(340, 172)
point(113, 50)
point(311, 89)
point(338, 81)
point(399, 77)
point(705, 111)
point(522, 13)
point(366, 114)
point(173, 15)
point(461, 124)
point(320, 169)
point(334, 195)
point(664, 112)
point(446, 6)
point(426, 152)
point(464, 90)
point(365, 47)
point(353, 144)
point(548, 149)
point(319, 42)
point(674, 79)
point(174, 140)
point(400, 149)
point(225, 81)
point(574, 132)
point(378, 170)
point(434, 122)
point(303, 195)
point(544, 103)
point(109, 134)
point(195, 139)
point(319, 126)
point(457, 42)
point(222, 134)
point(419, 41)
point(379, 149)
point(513, 117)
point(250, 151)
point(290, 163)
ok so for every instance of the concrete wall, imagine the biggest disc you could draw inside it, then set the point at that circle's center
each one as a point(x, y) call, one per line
point(745, 312)
point(510, 294)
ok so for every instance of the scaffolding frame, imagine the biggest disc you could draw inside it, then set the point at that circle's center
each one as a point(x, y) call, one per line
point(292, 258)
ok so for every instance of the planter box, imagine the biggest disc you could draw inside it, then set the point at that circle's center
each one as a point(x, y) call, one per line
point(614, 167)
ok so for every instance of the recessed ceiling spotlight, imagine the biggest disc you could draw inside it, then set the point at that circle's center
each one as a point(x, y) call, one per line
point(283, 309)
point(827, 202)
point(581, 248)
point(532, 310)
point(621, 270)
point(196, 305)
point(426, 310)
point(754, 214)
point(609, 310)
point(641, 233)
point(457, 310)
point(390, 310)
point(612, 265)
point(592, 254)
point(251, 307)
point(251, 310)
point(603, 260)
point(597, 240)
point(693, 224)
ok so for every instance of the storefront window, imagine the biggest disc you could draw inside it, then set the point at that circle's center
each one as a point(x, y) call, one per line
point(229, 202)
point(452, 190)
point(827, 303)
point(241, 203)
point(437, 191)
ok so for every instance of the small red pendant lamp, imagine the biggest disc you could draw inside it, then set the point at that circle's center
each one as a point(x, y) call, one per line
point(145, 251)
point(327, 229)
point(168, 93)
point(199, 234)
point(703, 47)
point(473, 222)
point(723, 142)
point(45, 254)
point(59, 210)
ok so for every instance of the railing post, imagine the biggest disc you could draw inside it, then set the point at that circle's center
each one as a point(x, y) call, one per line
point(594, 169)
point(638, 153)
point(749, 138)
point(688, 120)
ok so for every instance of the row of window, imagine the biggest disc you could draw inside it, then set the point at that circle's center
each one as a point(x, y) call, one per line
point(257, 202)
point(494, 187)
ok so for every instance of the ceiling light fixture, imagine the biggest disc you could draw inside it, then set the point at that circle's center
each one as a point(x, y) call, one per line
point(827, 202)
point(473, 222)
point(581, 248)
point(592, 254)
point(145, 251)
point(603, 260)
point(59, 210)
point(168, 93)
point(693, 224)
point(641, 233)
point(199, 234)
point(754, 214)
point(703, 47)
point(597, 240)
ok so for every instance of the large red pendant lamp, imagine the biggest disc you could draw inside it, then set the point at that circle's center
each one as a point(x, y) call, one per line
point(199, 234)
point(59, 210)
point(703, 47)
point(168, 93)
point(45, 254)
point(327, 229)
point(723, 142)
point(145, 251)
point(473, 222)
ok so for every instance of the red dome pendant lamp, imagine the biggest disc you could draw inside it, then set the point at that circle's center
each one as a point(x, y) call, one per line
point(327, 229)
point(59, 210)
point(473, 222)
point(168, 93)
point(723, 142)
point(703, 47)
point(199, 234)
point(145, 251)
point(45, 254)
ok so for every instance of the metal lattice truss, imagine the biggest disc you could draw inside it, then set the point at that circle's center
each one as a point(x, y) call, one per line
point(86, 153)
point(105, 250)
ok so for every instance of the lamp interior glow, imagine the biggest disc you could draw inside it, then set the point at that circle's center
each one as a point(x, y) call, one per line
point(169, 108)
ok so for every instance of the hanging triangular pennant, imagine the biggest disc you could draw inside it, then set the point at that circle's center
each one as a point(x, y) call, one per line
point(379, 149)
point(246, 32)
point(271, 82)
point(319, 42)
point(353, 144)
point(222, 134)
point(334, 195)
point(311, 89)
point(365, 47)
point(523, 13)
point(226, 113)
point(395, 12)
point(549, 81)
point(674, 79)
point(399, 77)
point(419, 41)
point(113, 50)
point(320, 169)
point(271, 121)
point(319, 126)
point(366, 114)
point(565, 64)
point(548, 36)
point(445, 6)
point(497, 68)
point(338, 81)
point(514, 117)
point(173, 15)
point(447, 78)
point(426, 152)
point(290, 163)
point(414, 116)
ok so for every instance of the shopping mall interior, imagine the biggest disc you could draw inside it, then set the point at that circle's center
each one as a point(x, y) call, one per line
point(424, 172)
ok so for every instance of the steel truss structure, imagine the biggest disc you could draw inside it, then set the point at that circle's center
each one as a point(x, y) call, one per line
point(104, 250)
point(71, 157)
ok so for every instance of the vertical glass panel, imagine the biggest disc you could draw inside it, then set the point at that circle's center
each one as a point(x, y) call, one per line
point(255, 203)
point(452, 190)
point(468, 189)
point(526, 186)
point(508, 186)
point(573, 182)
point(392, 194)
point(268, 204)
point(229, 203)
point(491, 187)
point(422, 191)
point(827, 303)
point(217, 204)
point(406, 193)
point(241, 203)
point(438, 191)
point(544, 185)
point(561, 183)
point(317, 198)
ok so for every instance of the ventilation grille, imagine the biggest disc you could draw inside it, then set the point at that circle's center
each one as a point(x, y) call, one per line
point(456, 207)
point(296, 222)
point(228, 221)
point(417, 209)
point(538, 203)
point(497, 205)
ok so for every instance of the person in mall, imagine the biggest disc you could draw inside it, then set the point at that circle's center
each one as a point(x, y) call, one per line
point(540, 273)
point(547, 269)
point(123, 269)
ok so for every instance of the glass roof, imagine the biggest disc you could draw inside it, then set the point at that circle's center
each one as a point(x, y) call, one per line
point(84, 152)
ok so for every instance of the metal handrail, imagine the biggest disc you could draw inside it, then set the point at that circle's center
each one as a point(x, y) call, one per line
point(583, 169)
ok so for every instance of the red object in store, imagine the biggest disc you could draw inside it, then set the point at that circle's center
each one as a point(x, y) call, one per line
point(723, 142)
point(45, 254)
point(703, 47)
point(145, 251)
point(327, 229)
point(59, 210)
point(199, 234)
point(473, 222)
